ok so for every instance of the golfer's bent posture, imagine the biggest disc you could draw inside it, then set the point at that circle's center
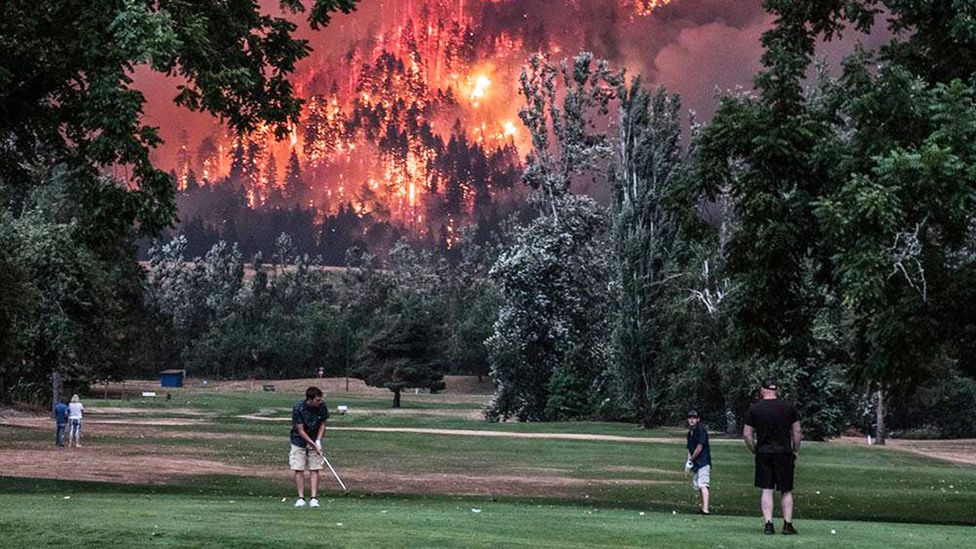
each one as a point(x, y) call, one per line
point(307, 421)
point(699, 458)
point(772, 433)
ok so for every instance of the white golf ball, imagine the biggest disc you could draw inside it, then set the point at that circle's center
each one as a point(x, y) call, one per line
point(833, 531)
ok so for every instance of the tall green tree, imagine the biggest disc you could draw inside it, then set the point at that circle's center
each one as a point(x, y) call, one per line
point(901, 219)
point(648, 168)
point(766, 153)
point(859, 190)
point(551, 343)
point(774, 138)
point(78, 314)
point(69, 328)
point(405, 352)
point(550, 347)
point(18, 303)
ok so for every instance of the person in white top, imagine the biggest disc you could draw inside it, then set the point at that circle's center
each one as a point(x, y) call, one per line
point(75, 408)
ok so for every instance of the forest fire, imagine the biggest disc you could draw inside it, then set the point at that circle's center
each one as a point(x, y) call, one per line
point(647, 7)
point(415, 125)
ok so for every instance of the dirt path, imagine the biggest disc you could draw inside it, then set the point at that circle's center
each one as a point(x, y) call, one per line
point(509, 434)
point(483, 433)
point(45, 423)
point(128, 464)
point(962, 451)
point(284, 414)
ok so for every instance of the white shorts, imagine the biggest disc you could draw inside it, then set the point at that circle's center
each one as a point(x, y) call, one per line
point(305, 459)
point(702, 478)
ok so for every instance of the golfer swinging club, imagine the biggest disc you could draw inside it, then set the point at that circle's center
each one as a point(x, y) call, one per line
point(772, 433)
point(308, 420)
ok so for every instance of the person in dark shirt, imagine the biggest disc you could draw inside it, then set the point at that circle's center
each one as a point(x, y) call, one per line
point(699, 458)
point(61, 421)
point(772, 433)
point(307, 421)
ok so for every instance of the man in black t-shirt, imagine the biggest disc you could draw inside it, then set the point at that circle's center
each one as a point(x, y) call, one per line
point(772, 433)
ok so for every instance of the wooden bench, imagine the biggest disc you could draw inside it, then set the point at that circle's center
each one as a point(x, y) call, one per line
point(268, 387)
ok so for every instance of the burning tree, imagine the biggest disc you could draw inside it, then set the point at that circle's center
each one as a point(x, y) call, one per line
point(376, 134)
point(565, 141)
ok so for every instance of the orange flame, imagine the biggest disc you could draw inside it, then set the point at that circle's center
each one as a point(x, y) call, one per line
point(481, 84)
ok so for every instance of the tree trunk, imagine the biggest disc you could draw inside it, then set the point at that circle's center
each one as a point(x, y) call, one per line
point(55, 388)
point(881, 433)
point(645, 413)
point(396, 398)
point(346, 352)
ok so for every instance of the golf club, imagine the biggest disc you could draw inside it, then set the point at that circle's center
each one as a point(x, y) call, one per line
point(345, 491)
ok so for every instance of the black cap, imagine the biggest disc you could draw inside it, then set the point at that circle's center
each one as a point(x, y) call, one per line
point(770, 383)
point(692, 413)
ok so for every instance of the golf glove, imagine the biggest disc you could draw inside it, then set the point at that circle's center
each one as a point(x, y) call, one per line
point(688, 465)
point(318, 445)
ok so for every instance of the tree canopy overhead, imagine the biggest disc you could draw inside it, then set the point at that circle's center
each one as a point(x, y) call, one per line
point(66, 95)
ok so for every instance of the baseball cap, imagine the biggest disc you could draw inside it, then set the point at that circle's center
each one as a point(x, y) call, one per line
point(769, 383)
point(692, 413)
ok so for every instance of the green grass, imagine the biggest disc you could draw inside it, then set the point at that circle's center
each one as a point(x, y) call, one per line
point(233, 403)
point(859, 491)
point(175, 520)
point(226, 407)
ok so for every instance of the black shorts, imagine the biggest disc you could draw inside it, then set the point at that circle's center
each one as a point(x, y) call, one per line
point(775, 471)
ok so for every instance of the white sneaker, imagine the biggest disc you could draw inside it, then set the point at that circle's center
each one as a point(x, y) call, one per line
point(314, 502)
point(300, 502)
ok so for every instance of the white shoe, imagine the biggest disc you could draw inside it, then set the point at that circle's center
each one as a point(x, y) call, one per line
point(300, 502)
point(314, 502)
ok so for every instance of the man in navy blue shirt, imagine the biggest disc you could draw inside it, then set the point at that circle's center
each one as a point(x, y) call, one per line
point(699, 458)
point(61, 419)
point(307, 421)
